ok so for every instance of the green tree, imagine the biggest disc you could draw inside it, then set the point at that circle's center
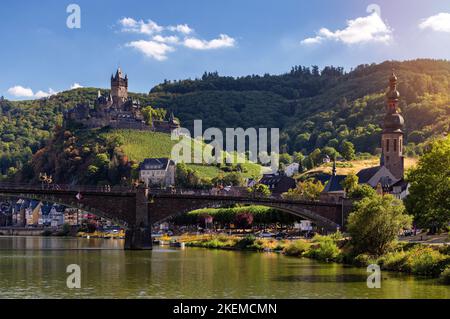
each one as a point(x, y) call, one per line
point(429, 193)
point(259, 190)
point(151, 114)
point(376, 222)
point(316, 157)
point(285, 159)
point(362, 191)
point(350, 183)
point(298, 157)
point(330, 151)
point(348, 150)
point(307, 190)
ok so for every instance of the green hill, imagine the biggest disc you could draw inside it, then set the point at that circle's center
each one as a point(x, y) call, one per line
point(108, 156)
point(316, 110)
point(138, 145)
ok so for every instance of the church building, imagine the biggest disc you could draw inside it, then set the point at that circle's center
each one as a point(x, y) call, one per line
point(388, 177)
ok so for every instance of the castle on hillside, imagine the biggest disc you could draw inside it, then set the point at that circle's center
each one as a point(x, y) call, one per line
point(118, 110)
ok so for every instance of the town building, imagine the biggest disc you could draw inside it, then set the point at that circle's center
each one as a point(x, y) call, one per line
point(5, 214)
point(291, 169)
point(33, 212)
point(56, 216)
point(278, 183)
point(333, 191)
point(72, 216)
point(157, 172)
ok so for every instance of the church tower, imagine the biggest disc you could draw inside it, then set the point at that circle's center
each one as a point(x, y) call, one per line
point(392, 139)
point(119, 88)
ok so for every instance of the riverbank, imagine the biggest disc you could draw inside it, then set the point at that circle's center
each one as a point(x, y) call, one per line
point(57, 232)
point(25, 231)
point(412, 258)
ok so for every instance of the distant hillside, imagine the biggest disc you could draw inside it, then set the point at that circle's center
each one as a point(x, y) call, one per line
point(314, 108)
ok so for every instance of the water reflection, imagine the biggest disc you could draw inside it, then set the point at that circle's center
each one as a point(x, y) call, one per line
point(35, 267)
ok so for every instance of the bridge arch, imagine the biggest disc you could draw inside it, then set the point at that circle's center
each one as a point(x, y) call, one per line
point(161, 209)
point(70, 200)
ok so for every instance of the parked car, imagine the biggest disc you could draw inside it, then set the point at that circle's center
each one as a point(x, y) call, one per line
point(280, 235)
point(266, 235)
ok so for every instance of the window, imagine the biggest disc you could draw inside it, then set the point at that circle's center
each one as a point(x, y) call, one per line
point(387, 145)
point(387, 159)
point(395, 145)
point(401, 145)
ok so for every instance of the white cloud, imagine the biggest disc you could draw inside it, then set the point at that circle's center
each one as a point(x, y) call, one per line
point(169, 39)
point(224, 41)
point(439, 22)
point(182, 28)
point(360, 30)
point(76, 86)
point(23, 92)
point(128, 22)
point(43, 94)
point(153, 49)
point(161, 40)
point(20, 91)
point(131, 25)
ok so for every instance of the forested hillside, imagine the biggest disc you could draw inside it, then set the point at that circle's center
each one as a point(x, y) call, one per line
point(316, 108)
point(318, 111)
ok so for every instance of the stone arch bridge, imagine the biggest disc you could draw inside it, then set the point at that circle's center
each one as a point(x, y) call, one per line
point(138, 208)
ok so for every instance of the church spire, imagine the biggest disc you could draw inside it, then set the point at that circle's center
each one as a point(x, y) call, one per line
point(333, 172)
point(393, 121)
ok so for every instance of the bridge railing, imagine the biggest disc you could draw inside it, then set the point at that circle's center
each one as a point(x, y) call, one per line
point(65, 187)
point(233, 192)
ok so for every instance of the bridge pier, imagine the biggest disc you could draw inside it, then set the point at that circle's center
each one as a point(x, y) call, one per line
point(138, 236)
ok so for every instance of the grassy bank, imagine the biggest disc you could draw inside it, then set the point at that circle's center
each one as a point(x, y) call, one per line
point(417, 259)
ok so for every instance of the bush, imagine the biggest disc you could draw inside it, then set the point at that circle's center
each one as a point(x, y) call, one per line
point(425, 261)
point(325, 249)
point(445, 249)
point(296, 248)
point(246, 242)
point(393, 261)
point(337, 236)
point(445, 276)
point(418, 260)
point(364, 260)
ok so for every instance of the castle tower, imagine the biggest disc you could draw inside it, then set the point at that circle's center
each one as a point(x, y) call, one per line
point(119, 88)
point(392, 137)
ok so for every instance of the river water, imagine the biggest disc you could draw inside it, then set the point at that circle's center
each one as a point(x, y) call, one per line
point(35, 267)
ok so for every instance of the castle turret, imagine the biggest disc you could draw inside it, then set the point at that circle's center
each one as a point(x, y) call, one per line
point(392, 137)
point(119, 88)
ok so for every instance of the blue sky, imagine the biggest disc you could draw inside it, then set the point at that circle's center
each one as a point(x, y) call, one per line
point(177, 39)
